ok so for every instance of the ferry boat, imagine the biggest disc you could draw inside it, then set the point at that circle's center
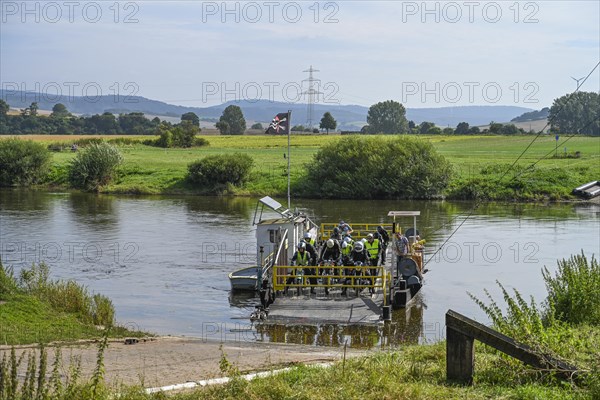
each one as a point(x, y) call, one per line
point(370, 291)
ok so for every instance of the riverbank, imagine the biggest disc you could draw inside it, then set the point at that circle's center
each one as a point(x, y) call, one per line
point(411, 372)
point(480, 165)
point(162, 361)
point(35, 309)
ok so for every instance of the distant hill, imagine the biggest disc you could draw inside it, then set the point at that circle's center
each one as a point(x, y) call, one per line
point(533, 115)
point(536, 125)
point(349, 117)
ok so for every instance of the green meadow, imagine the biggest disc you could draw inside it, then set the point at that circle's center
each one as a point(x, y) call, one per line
point(478, 163)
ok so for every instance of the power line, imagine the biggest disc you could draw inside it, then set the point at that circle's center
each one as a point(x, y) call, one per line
point(478, 201)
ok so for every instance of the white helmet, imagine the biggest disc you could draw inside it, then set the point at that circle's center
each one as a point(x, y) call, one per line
point(330, 243)
point(307, 236)
point(359, 246)
point(345, 244)
point(301, 245)
point(363, 240)
point(347, 239)
point(370, 236)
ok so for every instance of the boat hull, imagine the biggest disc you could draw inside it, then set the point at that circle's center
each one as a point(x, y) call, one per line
point(244, 279)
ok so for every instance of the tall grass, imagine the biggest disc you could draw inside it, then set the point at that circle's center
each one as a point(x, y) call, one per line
point(8, 283)
point(37, 384)
point(574, 291)
point(65, 296)
point(564, 326)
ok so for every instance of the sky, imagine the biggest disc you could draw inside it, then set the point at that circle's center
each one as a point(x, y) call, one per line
point(195, 53)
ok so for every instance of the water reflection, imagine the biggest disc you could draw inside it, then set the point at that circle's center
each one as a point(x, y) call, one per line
point(239, 207)
point(406, 327)
point(91, 205)
point(354, 336)
point(24, 200)
point(243, 299)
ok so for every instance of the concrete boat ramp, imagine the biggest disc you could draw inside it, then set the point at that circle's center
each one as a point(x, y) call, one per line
point(334, 308)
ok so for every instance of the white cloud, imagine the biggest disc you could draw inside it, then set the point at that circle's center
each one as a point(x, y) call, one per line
point(372, 52)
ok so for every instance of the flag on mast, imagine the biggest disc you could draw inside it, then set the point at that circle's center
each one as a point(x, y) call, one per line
point(280, 124)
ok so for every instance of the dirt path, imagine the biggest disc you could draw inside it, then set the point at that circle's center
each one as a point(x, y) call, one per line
point(171, 360)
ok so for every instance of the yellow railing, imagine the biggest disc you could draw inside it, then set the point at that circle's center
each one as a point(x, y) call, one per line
point(330, 277)
point(359, 230)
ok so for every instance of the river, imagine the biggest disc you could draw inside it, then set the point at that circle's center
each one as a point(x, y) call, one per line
point(164, 260)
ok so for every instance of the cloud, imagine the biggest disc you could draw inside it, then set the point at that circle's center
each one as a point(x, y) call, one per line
point(371, 50)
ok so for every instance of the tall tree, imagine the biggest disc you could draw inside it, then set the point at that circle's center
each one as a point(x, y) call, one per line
point(328, 122)
point(387, 117)
point(462, 128)
point(576, 113)
point(192, 117)
point(33, 109)
point(234, 117)
point(60, 111)
point(425, 127)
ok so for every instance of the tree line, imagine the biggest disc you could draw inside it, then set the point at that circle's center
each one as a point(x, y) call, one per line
point(62, 122)
point(575, 113)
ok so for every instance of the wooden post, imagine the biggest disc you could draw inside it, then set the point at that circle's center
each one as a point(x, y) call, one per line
point(461, 332)
point(460, 357)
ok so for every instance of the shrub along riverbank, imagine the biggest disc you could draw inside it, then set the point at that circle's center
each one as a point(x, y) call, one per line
point(481, 167)
point(36, 309)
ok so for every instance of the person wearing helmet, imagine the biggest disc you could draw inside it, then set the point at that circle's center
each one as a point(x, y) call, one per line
point(346, 250)
point(372, 247)
point(302, 258)
point(336, 234)
point(312, 251)
point(384, 239)
point(331, 251)
point(347, 261)
point(308, 239)
point(358, 256)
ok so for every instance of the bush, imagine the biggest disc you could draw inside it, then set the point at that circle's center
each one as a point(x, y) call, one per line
point(22, 162)
point(376, 167)
point(199, 142)
point(219, 170)
point(574, 292)
point(94, 167)
point(165, 140)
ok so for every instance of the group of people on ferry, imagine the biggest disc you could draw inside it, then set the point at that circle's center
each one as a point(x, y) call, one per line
point(340, 249)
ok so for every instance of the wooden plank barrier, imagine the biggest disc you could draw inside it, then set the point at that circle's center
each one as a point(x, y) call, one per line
point(461, 333)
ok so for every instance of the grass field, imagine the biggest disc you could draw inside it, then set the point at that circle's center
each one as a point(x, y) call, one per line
point(155, 170)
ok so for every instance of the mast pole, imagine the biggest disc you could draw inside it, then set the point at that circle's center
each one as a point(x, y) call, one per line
point(289, 129)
